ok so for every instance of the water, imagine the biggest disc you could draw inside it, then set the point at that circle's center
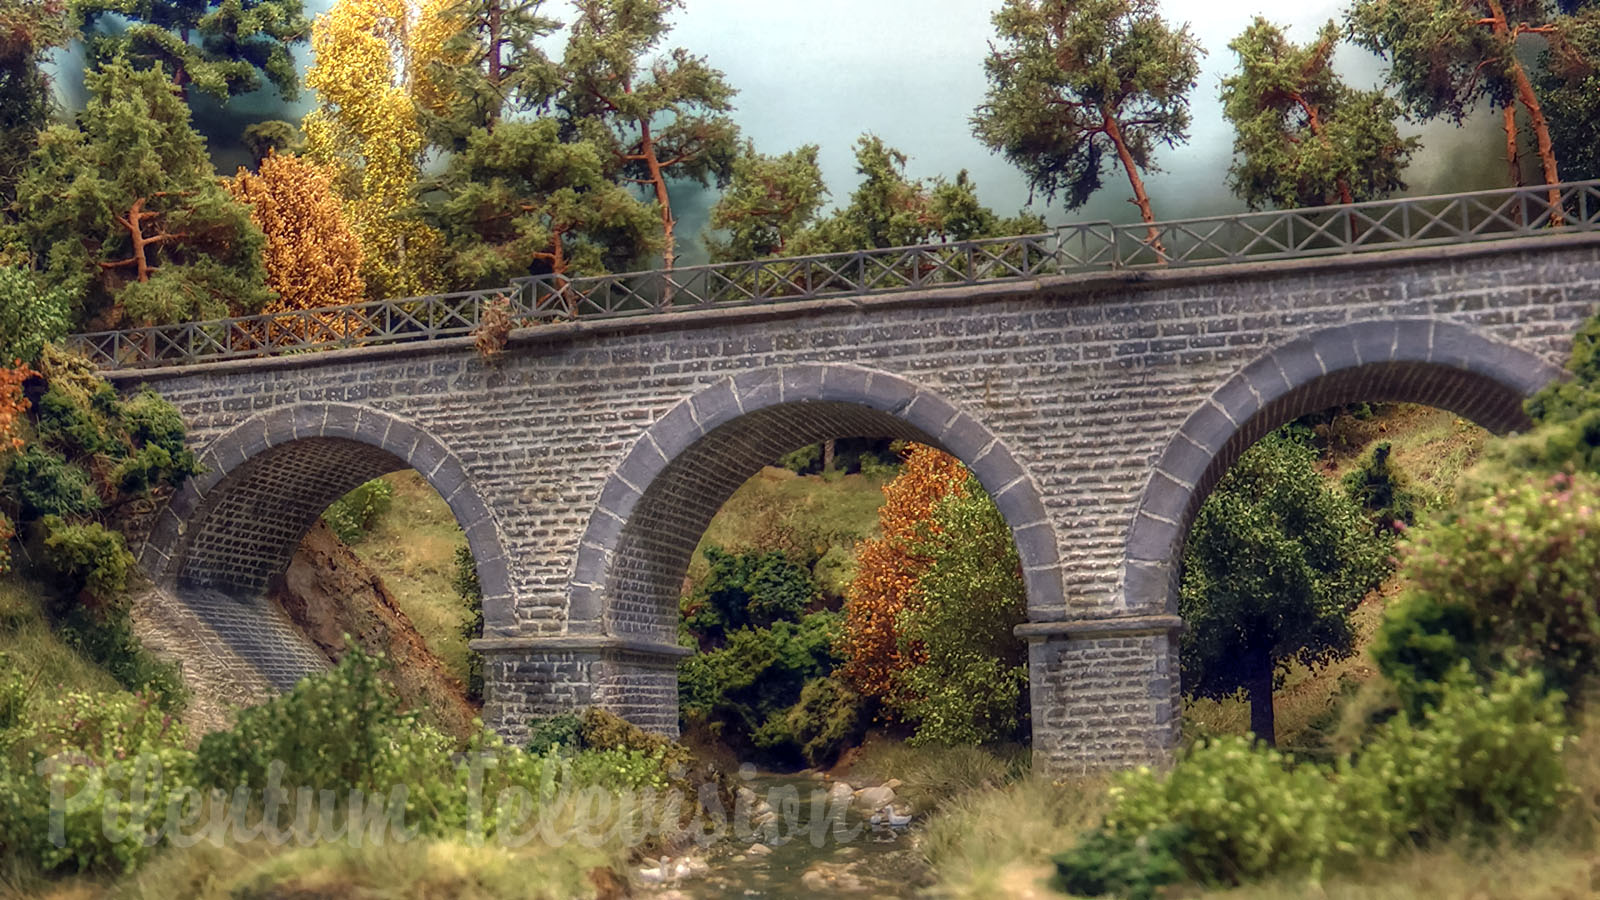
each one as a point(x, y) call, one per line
point(846, 857)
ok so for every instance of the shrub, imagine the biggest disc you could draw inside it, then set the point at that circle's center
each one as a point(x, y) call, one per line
point(31, 315)
point(465, 581)
point(753, 589)
point(87, 559)
point(1485, 761)
point(338, 730)
point(1514, 571)
point(1381, 490)
point(43, 484)
point(1120, 864)
point(354, 514)
point(968, 683)
point(829, 718)
point(546, 734)
point(106, 637)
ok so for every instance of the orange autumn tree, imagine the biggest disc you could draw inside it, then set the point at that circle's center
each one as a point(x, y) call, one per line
point(313, 256)
point(887, 569)
point(12, 407)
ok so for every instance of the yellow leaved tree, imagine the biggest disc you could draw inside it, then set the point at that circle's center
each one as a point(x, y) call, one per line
point(370, 60)
point(313, 256)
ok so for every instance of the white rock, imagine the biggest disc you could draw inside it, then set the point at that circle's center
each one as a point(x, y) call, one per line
point(652, 875)
point(841, 792)
point(875, 797)
point(759, 850)
point(893, 784)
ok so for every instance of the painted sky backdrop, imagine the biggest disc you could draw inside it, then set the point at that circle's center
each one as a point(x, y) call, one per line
point(911, 71)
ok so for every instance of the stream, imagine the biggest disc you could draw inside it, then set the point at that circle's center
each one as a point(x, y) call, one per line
point(813, 845)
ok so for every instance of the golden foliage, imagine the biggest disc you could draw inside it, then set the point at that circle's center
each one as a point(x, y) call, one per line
point(366, 129)
point(13, 405)
point(887, 569)
point(313, 257)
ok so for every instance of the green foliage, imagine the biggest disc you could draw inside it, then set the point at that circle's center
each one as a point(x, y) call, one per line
point(753, 589)
point(968, 683)
point(117, 759)
point(1048, 107)
point(1486, 761)
point(354, 514)
point(465, 581)
point(87, 558)
point(1512, 572)
point(1443, 56)
point(1274, 565)
point(31, 313)
point(769, 200)
point(491, 67)
point(1569, 91)
point(105, 635)
point(888, 209)
point(757, 676)
point(340, 730)
point(1120, 864)
point(43, 484)
point(132, 167)
point(546, 734)
point(829, 718)
point(222, 47)
point(1301, 136)
point(1382, 491)
point(32, 30)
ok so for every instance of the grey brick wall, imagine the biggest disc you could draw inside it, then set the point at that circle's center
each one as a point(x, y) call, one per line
point(586, 462)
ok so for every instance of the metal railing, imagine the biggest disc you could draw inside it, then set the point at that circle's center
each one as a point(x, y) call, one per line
point(1080, 248)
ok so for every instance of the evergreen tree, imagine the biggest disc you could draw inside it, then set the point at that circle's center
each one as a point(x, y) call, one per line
point(1302, 137)
point(888, 209)
point(124, 209)
point(1276, 562)
point(768, 201)
point(29, 30)
point(1569, 90)
point(221, 47)
point(1072, 80)
point(1448, 55)
point(518, 196)
point(659, 118)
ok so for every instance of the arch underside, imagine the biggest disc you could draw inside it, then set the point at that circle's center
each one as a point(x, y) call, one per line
point(652, 554)
point(246, 537)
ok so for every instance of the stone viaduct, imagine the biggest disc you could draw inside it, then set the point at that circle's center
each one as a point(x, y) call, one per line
point(585, 463)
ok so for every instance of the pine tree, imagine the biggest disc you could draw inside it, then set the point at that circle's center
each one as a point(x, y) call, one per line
point(221, 47)
point(29, 30)
point(1447, 55)
point(769, 199)
point(661, 117)
point(489, 67)
point(124, 209)
point(1569, 91)
point(1302, 137)
point(1073, 80)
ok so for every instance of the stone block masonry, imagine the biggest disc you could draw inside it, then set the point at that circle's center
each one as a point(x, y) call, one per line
point(585, 463)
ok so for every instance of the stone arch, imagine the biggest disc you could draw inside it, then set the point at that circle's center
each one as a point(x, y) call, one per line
point(235, 527)
point(1436, 363)
point(656, 505)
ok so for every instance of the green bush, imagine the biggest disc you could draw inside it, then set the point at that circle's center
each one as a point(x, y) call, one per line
point(970, 685)
point(1120, 864)
point(753, 589)
point(43, 484)
point(565, 731)
point(1485, 762)
point(340, 730)
point(106, 637)
point(354, 514)
point(87, 558)
point(829, 718)
point(1515, 571)
point(31, 315)
point(1381, 490)
point(465, 582)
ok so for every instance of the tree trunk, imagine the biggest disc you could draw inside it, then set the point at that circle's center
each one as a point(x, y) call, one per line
point(828, 449)
point(1259, 688)
point(1530, 102)
point(495, 75)
point(1140, 198)
point(1513, 162)
point(647, 149)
